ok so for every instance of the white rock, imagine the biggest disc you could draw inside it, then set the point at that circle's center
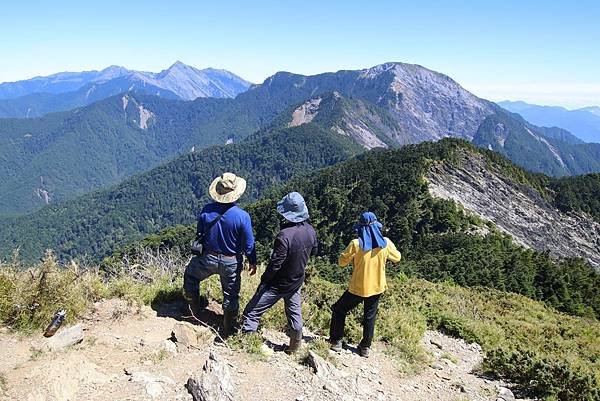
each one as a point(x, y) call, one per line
point(66, 337)
point(214, 383)
point(505, 394)
point(154, 389)
point(321, 367)
point(169, 346)
point(152, 383)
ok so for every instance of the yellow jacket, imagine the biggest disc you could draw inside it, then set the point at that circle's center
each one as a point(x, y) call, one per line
point(368, 276)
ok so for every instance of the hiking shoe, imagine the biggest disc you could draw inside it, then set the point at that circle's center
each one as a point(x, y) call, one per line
point(202, 303)
point(364, 351)
point(230, 323)
point(336, 346)
point(295, 342)
point(195, 304)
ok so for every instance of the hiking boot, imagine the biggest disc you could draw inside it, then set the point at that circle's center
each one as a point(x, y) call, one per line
point(295, 342)
point(195, 303)
point(336, 346)
point(230, 320)
point(364, 351)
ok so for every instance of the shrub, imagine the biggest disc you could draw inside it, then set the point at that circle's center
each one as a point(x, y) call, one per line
point(29, 299)
point(542, 376)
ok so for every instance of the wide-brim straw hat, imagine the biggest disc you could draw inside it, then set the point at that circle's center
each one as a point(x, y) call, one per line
point(227, 188)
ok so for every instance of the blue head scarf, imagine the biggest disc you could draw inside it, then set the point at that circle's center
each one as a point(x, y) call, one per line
point(369, 232)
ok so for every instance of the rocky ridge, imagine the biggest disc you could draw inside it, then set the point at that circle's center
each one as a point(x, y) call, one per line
point(516, 209)
point(425, 104)
point(365, 124)
point(430, 105)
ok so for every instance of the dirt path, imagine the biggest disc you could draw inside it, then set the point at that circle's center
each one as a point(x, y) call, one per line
point(127, 355)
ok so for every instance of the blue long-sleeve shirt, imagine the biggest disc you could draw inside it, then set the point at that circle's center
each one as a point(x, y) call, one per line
point(232, 234)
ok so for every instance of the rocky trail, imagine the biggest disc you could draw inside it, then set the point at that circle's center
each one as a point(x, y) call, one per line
point(127, 353)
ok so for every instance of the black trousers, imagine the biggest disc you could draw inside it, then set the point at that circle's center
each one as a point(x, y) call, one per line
point(343, 306)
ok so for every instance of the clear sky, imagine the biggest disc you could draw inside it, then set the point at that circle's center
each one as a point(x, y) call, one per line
point(540, 51)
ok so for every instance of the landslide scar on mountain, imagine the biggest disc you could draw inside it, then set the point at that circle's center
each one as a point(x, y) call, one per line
point(305, 113)
point(516, 209)
point(145, 115)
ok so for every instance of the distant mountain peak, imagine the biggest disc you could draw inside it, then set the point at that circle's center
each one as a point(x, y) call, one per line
point(397, 68)
point(179, 66)
point(176, 68)
point(595, 110)
point(111, 72)
point(584, 123)
point(29, 98)
point(113, 68)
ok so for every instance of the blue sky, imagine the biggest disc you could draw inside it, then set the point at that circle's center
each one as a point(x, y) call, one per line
point(541, 51)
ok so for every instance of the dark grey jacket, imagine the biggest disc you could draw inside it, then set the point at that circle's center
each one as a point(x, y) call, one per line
point(293, 246)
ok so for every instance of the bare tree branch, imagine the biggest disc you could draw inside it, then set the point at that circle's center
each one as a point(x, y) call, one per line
point(207, 326)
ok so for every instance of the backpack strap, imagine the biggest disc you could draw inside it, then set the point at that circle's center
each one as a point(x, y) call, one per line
point(201, 235)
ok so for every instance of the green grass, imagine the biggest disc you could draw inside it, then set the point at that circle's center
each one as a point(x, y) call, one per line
point(548, 353)
point(29, 299)
point(251, 343)
point(450, 357)
point(155, 357)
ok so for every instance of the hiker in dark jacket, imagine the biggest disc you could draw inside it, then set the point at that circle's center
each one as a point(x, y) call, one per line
point(285, 273)
point(227, 237)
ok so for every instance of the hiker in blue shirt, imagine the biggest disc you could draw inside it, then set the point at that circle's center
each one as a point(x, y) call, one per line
point(226, 232)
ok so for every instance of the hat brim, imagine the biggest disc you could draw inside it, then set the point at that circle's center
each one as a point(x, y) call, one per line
point(294, 217)
point(230, 197)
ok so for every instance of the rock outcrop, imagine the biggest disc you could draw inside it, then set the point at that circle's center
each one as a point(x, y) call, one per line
point(305, 113)
point(189, 335)
point(214, 383)
point(66, 337)
point(366, 124)
point(428, 105)
point(516, 209)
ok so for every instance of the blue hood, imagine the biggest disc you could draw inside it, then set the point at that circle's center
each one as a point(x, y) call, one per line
point(369, 232)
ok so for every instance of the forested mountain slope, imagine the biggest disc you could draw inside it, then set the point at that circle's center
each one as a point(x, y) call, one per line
point(61, 155)
point(538, 149)
point(170, 194)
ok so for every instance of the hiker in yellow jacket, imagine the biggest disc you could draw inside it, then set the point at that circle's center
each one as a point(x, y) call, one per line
point(368, 254)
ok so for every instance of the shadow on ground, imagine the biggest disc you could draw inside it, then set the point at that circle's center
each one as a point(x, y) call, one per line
point(211, 316)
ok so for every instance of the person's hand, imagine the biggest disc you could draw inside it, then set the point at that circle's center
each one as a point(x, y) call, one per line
point(252, 269)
